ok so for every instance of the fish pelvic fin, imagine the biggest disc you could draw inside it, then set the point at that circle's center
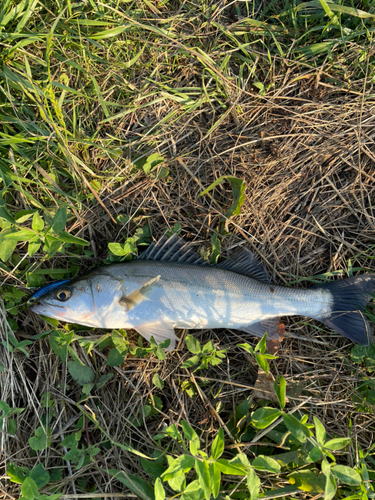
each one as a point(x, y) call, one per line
point(160, 331)
point(135, 298)
point(273, 326)
point(349, 299)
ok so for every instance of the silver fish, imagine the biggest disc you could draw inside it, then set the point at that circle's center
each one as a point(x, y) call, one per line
point(170, 287)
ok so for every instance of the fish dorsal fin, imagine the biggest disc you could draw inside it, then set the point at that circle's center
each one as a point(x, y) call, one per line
point(173, 249)
point(244, 262)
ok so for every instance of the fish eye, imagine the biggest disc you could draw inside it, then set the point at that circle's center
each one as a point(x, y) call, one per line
point(63, 294)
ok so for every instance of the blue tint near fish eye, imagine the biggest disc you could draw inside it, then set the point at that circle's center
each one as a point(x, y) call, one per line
point(46, 289)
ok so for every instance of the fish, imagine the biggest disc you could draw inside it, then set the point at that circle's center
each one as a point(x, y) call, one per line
point(171, 287)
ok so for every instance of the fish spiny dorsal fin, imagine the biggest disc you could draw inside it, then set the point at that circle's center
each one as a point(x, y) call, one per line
point(244, 262)
point(173, 249)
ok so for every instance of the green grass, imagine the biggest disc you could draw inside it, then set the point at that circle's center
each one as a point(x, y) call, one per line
point(122, 120)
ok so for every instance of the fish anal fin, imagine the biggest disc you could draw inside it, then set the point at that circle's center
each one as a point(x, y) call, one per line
point(273, 326)
point(160, 331)
point(139, 295)
point(245, 263)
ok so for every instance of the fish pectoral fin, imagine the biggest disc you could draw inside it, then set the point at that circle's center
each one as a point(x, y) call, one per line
point(132, 300)
point(273, 326)
point(160, 331)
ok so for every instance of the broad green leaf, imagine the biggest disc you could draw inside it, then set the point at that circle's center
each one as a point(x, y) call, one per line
point(234, 469)
point(153, 467)
point(253, 483)
point(263, 417)
point(296, 428)
point(204, 477)
point(280, 391)
point(157, 381)
point(217, 447)
point(320, 431)
point(267, 464)
point(4, 214)
point(191, 436)
point(41, 439)
point(307, 480)
point(59, 343)
point(39, 475)
point(346, 475)
point(139, 486)
point(81, 374)
point(193, 491)
point(191, 362)
point(29, 489)
point(192, 344)
point(337, 443)
point(314, 455)
point(71, 441)
point(115, 358)
point(38, 223)
point(172, 431)
point(59, 221)
point(159, 490)
point(12, 426)
point(215, 480)
point(68, 238)
point(21, 235)
point(181, 465)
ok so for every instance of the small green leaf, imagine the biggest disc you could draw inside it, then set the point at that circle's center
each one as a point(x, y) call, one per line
point(314, 455)
point(6, 248)
point(253, 483)
point(192, 344)
point(159, 490)
point(215, 480)
point(68, 238)
point(193, 491)
point(59, 221)
point(262, 362)
point(217, 447)
point(280, 391)
point(191, 436)
point(59, 343)
point(330, 487)
point(204, 477)
point(34, 245)
point(181, 465)
point(347, 475)
point(157, 381)
point(337, 443)
point(262, 344)
point(38, 223)
point(263, 417)
point(320, 431)
point(17, 474)
point(81, 374)
point(233, 468)
point(247, 348)
point(296, 428)
point(103, 379)
point(136, 484)
point(267, 464)
point(29, 489)
point(41, 440)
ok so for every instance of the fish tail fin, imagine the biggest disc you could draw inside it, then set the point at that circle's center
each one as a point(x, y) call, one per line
point(349, 299)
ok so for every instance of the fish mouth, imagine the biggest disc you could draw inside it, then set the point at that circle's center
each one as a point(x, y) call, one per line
point(45, 310)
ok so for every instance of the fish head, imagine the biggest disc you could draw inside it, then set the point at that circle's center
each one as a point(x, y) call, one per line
point(88, 301)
